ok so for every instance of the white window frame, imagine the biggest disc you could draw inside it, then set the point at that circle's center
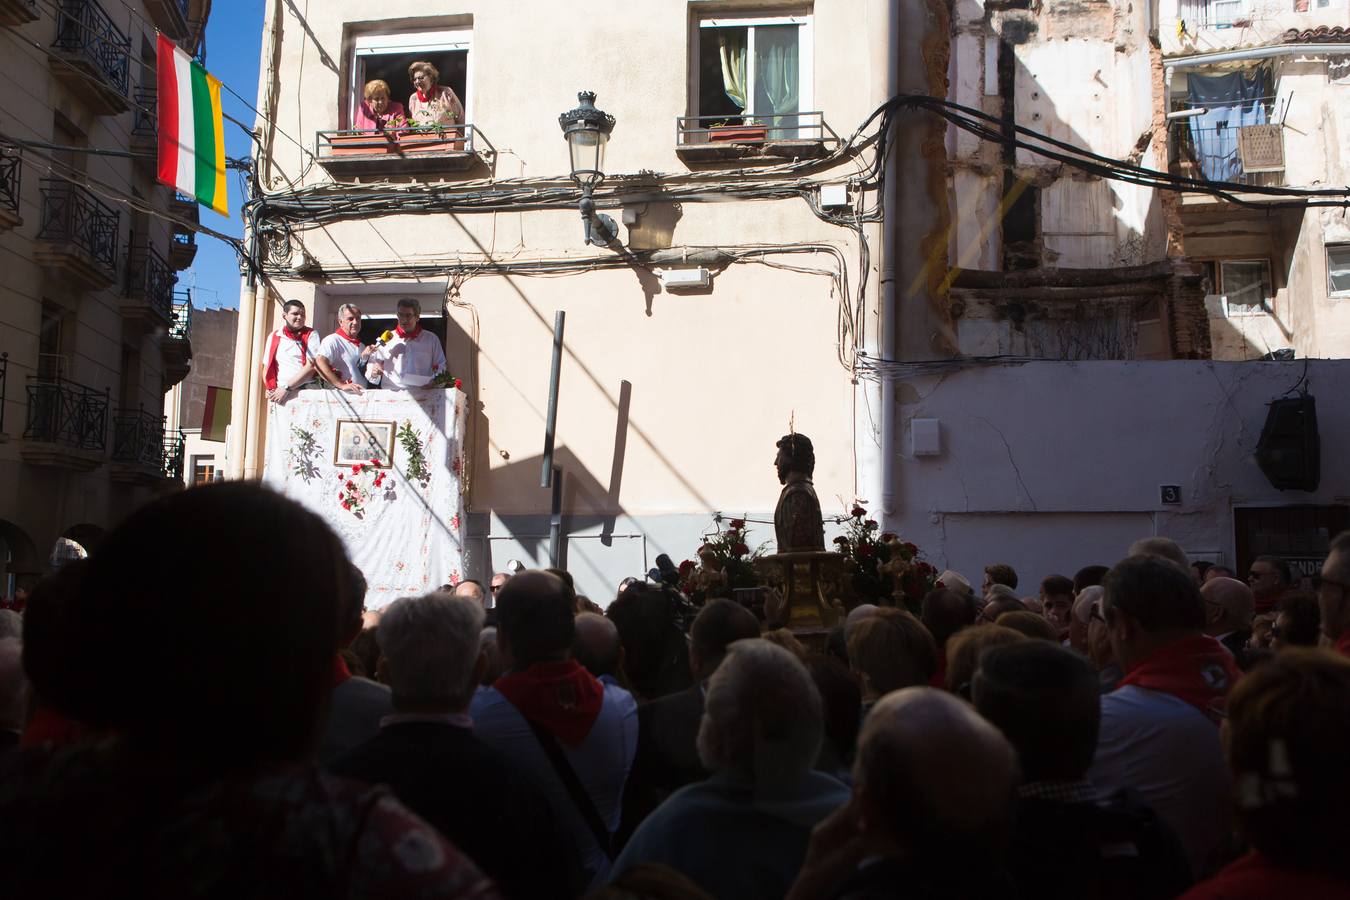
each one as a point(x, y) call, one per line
point(376, 44)
point(1243, 311)
point(806, 57)
point(1327, 248)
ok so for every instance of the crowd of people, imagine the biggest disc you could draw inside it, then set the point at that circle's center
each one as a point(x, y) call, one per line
point(188, 713)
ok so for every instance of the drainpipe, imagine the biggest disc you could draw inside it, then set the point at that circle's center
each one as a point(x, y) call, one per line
point(888, 320)
point(244, 364)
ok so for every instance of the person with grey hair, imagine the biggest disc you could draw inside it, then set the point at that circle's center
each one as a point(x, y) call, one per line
point(1161, 547)
point(932, 807)
point(427, 754)
point(412, 357)
point(11, 624)
point(761, 732)
point(341, 355)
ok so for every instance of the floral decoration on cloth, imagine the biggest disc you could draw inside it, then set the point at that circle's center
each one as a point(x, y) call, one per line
point(302, 453)
point(363, 483)
point(414, 450)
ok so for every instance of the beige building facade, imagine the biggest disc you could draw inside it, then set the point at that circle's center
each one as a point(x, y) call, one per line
point(92, 330)
point(756, 285)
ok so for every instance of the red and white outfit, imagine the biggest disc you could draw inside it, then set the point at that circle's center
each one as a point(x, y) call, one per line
point(410, 359)
point(344, 355)
point(286, 353)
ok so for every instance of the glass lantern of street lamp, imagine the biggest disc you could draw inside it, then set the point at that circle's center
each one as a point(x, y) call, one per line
point(587, 131)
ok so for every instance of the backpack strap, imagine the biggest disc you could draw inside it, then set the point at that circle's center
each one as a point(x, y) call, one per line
point(568, 775)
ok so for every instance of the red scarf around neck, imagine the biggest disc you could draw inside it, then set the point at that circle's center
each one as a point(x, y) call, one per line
point(300, 337)
point(340, 671)
point(409, 335)
point(561, 697)
point(426, 98)
point(346, 337)
point(1196, 669)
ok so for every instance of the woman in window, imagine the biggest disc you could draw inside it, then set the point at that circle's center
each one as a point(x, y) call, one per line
point(377, 112)
point(432, 104)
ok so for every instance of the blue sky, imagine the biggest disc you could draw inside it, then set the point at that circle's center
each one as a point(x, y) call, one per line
point(233, 42)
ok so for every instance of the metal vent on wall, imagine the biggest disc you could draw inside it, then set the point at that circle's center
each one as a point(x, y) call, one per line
point(1261, 148)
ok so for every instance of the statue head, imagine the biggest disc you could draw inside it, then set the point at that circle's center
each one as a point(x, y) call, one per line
point(795, 454)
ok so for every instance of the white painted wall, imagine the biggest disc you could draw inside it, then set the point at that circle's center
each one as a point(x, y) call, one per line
point(1053, 466)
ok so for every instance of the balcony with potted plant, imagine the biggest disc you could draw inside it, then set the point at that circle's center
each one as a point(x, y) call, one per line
point(412, 150)
point(768, 139)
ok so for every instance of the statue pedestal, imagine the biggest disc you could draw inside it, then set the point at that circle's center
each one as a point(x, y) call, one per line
point(810, 582)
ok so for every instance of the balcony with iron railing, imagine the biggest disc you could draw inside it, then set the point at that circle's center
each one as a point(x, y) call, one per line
point(403, 151)
point(771, 138)
point(11, 172)
point(177, 343)
point(78, 235)
point(148, 299)
point(183, 248)
point(66, 425)
point(92, 56)
point(144, 449)
point(170, 16)
point(1236, 143)
point(144, 128)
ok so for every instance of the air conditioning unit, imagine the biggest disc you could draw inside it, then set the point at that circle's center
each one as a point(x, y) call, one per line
point(1261, 148)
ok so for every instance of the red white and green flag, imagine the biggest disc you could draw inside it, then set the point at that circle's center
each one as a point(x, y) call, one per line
point(191, 134)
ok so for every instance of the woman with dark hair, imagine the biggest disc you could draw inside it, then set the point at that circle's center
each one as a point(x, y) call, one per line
point(655, 650)
point(214, 658)
point(1299, 622)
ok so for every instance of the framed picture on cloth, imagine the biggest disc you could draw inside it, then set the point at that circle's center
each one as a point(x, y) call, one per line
point(360, 441)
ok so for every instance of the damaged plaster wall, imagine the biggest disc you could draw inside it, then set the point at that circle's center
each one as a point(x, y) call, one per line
point(1053, 466)
point(1082, 72)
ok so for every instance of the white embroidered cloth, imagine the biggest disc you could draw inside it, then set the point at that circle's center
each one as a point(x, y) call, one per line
point(407, 534)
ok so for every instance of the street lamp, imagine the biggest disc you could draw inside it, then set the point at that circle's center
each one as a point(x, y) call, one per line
point(587, 131)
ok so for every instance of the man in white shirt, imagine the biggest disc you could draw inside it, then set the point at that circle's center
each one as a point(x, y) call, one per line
point(341, 357)
point(288, 357)
point(412, 358)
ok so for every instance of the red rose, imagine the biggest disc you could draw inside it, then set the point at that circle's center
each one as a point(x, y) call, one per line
point(887, 536)
point(740, 549)
point(356, 468)
point(911, 548)
point(350, 485)
point(841, 540)
point(870, 523)
point(859, 512)
point(686, 567)
point(865, 550)
point(737, 524)
point(342, 495)
point(458, 384)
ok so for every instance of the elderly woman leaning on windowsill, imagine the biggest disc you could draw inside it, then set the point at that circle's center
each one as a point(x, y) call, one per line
point(377, 112)
point(432, 104)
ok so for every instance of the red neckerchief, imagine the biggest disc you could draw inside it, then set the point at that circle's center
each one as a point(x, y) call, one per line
point(340, 671)
point(270, 376)
point(561, 697)
point(354, 340)
point(1343, 642)
point(426, 98)
point(939, 679)
point(49, 726)
point(409, 335)
point(1196, 669)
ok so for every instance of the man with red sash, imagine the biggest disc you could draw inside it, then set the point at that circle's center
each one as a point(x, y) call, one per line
point(412, 357)
point(288, 356)
point(1333, 594)
point(341, 356)
point(1159, 733)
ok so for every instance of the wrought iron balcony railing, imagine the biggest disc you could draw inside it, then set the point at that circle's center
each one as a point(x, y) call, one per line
point(175, 445)
point(64, 412)
point(181, 326)
point(150, 278)
point(10, 173)
point(72, 215)
point(751, 129)
point(138, 438)
point(85, 29)
point(143, 125)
